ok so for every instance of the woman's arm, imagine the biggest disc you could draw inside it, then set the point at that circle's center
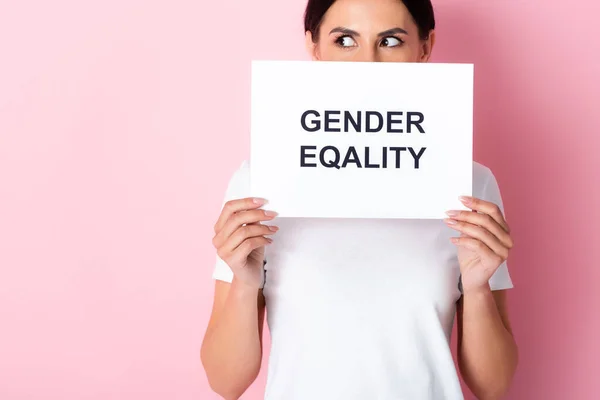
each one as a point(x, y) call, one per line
point(232, 347)
point(487, 352)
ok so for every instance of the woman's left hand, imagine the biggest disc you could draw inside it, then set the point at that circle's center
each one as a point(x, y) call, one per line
point(484, 242)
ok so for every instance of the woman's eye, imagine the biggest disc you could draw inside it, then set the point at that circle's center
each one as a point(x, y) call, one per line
point(391, 42)
point(345, 41)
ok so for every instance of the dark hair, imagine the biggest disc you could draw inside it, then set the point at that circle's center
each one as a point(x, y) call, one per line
point(421, 11)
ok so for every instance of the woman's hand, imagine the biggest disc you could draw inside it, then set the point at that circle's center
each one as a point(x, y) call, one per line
point(240, 238)
point(484, 242)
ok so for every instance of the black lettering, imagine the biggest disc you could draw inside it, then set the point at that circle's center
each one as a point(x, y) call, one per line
point(418, 123)
point(417, 156)
point(330, 164)
point(398, 150)
point(391, 121)
point(316, 123)
point(384, 158)
point(304, 156)
point(368, 115)
point(351, 152)
point(329, 121)
point(367, 163)
point(355, 123)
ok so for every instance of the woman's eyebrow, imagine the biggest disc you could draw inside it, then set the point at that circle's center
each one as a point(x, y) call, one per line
point(392, 32)
point(344, 31)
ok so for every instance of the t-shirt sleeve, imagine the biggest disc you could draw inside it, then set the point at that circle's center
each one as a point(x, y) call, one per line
point(491, 192)
point(237, 188)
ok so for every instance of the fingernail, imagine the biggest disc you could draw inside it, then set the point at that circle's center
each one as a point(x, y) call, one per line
point(273, 228)
point(454, 240)
point(270, 213)
point(450, 221)
point(258, 200)
point(269, 240)
point(465, 199)
point(452, 213)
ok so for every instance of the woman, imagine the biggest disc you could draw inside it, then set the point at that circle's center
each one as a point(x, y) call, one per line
point(362, 309)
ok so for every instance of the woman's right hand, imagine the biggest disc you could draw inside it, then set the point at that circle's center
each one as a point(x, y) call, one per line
point(240, 238)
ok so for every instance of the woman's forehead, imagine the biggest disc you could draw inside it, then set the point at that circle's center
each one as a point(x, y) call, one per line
point(376, 15)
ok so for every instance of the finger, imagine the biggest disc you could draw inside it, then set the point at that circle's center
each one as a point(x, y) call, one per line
point(478, 247)
point(245, 232)
point(238, 219)
point(240, 253)
point(233, 206)
point(486, 207)
point(486, 221)
point(480, 233)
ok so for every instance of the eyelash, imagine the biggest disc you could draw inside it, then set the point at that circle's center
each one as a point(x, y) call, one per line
point(339, 38)
point(395, 37)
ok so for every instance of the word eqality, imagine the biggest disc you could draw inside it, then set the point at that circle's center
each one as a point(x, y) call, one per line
point(359, 122)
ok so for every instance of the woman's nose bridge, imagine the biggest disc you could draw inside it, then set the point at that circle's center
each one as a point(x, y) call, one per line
point(368, 54)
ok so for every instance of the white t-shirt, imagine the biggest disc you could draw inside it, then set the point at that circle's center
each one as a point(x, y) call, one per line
point(362, 309)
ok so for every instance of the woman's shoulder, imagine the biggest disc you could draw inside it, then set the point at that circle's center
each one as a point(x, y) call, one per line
point(485, 185)
point(481, 172)
point(241, 171)
point(239, 181)
point(243, 168)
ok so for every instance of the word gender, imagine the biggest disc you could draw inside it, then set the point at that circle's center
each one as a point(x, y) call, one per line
point(358, 121)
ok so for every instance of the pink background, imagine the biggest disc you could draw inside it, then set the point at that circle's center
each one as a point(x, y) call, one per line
point(121, 121)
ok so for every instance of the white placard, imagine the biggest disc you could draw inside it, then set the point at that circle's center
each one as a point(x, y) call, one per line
point(361, 140)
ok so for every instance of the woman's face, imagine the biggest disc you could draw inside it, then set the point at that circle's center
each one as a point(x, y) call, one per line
point(367, 30)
